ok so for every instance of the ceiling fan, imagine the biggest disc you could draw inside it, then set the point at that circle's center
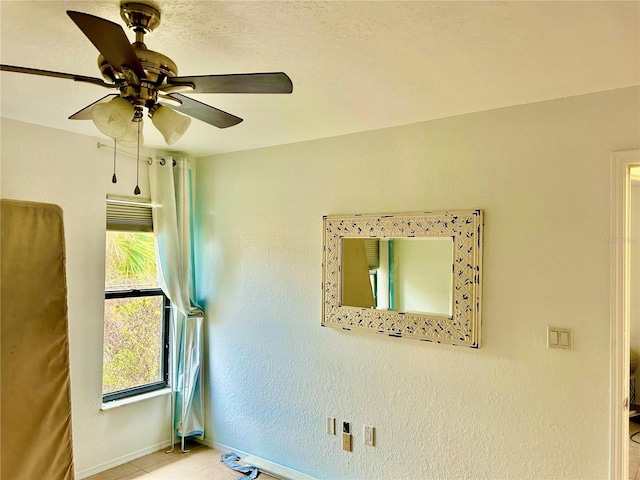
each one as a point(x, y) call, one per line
point(148, 79)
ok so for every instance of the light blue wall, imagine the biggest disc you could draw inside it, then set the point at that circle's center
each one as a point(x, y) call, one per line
point(511, 409)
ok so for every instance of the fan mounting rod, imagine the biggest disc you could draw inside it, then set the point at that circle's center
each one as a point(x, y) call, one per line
point(152, 67)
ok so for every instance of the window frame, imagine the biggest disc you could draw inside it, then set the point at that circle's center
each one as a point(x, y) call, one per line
point(166, 315)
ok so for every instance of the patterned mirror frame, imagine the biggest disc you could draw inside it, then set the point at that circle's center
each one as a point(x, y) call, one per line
point(465, 227)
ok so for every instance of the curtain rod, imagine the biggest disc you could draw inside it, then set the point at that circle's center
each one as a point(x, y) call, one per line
point(162, 161)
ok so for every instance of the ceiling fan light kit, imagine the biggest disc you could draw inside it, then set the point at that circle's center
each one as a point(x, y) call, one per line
point(113, 118)
point(170, 123)
point(130, 138)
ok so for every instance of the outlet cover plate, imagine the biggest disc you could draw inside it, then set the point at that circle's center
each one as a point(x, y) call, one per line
point(331, 425)
point(369, 435)
point(346, 442)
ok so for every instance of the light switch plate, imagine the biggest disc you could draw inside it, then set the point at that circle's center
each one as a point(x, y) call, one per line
point(558, 337)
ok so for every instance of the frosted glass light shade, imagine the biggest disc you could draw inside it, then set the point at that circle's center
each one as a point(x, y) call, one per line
point(130, 138)
point(113, 118)
point(170, 123)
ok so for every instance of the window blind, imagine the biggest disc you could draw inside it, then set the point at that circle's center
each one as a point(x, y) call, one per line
point(371, 249)
point(129, 214)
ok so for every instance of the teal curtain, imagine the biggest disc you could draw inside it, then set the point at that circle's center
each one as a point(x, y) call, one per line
point(172, 198)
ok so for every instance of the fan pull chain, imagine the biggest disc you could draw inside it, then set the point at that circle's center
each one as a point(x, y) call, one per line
point(114, 178)
point(137, 189)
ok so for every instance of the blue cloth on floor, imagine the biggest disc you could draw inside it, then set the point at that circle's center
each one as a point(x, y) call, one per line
point(231, 460)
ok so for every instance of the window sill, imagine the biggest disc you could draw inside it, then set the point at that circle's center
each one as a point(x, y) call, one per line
point(134, 399)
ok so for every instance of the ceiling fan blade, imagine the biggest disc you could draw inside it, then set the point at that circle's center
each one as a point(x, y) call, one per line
point(85, 113)
point(277, 82)
point(48, 73)
point(204, 112)
point(110, 40)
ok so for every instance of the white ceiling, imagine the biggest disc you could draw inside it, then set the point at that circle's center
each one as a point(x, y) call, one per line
point(354, 65)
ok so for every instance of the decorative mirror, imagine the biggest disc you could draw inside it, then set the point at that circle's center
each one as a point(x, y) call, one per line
point(416, 275)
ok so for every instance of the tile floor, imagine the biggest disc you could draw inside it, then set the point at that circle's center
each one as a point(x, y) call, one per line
point(201, 463)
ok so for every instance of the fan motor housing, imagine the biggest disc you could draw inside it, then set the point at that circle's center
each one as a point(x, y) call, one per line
point(156, 65)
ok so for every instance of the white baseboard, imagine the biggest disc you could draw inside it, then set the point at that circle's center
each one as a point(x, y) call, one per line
point(121, 460)
point(275, 469)
point(266, 466)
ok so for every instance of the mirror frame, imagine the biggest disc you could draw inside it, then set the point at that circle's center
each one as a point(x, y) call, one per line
point(465, 226)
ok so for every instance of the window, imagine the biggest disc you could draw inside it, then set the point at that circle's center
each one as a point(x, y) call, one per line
point(136, 311)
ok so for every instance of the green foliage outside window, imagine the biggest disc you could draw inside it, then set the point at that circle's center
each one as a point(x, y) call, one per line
point(132, 326)
point(130, 261)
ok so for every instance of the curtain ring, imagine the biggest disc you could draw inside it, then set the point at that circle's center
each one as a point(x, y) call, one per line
point(163, 161)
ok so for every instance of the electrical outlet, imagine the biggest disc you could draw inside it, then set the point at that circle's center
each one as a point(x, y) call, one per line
point(331, 425)
point(346, 442)
point(369, 435)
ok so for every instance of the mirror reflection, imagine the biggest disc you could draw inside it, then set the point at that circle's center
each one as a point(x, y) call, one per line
point(398, 274)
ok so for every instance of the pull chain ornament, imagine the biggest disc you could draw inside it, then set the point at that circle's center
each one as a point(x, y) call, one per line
point(114, 178)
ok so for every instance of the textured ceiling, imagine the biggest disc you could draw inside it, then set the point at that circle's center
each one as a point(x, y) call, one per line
point(354, 65)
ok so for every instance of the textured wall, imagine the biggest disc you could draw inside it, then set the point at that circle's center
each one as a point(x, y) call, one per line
point(511, 409)
point(47, 165)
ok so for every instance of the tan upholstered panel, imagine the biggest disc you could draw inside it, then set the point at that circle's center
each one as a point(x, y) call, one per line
point(36, 402)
